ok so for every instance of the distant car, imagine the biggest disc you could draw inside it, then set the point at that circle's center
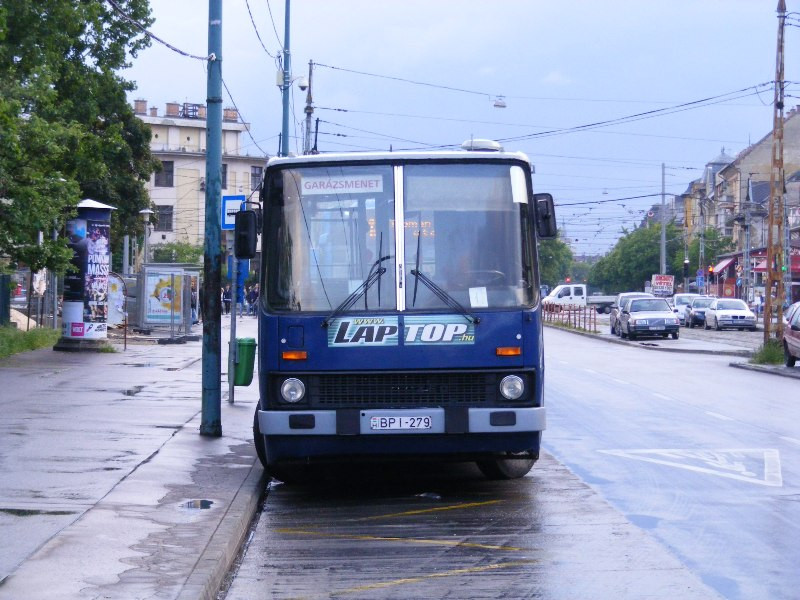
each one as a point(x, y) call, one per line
point(613, 317)
point(730, 313)
point(680, 304)
point(791, 336)
point(648, 317)
point(696, 311)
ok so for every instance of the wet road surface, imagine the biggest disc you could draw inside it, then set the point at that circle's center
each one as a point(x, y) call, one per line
point(443, 531)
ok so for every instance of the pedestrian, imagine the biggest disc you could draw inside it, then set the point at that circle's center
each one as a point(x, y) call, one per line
point(194, 304)
point(252, 299)
point(226, 298)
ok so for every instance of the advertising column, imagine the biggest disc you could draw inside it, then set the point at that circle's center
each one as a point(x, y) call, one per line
point(85, 309)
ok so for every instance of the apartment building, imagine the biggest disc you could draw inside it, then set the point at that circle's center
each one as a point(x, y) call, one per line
point(178, 190)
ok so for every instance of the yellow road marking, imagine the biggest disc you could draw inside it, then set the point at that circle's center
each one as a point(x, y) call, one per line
point(408, 580)
point(373, 538)
point(430, 510)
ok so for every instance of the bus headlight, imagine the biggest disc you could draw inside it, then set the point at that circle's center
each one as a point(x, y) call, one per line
point(293, 390)
point(512, 387)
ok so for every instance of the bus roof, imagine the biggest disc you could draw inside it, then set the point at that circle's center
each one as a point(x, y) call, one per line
point(415, 155)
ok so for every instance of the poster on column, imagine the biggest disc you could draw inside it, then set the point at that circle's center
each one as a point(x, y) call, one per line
point(95, 291)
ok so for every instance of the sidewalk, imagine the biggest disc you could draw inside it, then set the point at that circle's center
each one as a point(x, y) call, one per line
point(107, 490)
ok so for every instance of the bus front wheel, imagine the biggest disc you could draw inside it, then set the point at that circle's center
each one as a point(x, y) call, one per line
point(505, 468)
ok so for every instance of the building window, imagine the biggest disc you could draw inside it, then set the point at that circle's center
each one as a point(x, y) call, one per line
point(224, 177)
point(164, 176)
point(164, 217)
point(255, 177)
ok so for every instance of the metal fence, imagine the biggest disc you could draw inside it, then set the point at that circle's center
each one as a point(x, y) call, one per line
point(577, 317)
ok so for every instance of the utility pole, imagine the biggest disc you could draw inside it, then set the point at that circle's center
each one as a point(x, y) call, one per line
point(747, 266)
point(776, 188)
point(663, 225)
point(309, 110)
point(211, 419)
point(287, 85)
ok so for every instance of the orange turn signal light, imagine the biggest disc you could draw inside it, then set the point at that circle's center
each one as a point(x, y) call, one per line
point(294, 355)
point(509, 351)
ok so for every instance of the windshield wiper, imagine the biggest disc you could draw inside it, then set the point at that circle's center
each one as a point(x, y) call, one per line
point(437, 291)
point(375, 273)
point(445, 297)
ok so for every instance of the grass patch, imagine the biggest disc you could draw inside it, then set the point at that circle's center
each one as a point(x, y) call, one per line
point(14, 341)
point(107, 349)
point(770, 353)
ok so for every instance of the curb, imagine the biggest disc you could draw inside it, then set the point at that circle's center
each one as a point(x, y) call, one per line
point(208, 575)
point(791, 372)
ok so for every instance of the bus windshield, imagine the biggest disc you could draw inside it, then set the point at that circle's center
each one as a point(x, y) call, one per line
point(331, 237)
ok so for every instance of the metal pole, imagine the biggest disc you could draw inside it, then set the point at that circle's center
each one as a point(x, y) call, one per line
point(232, 357)
point(287, 84)
point(211, 420)
point(172, 305)
point(309, 109)
point(663, 224)
point(126, 257)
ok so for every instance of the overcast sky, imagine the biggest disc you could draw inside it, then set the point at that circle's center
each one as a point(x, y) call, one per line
point(558, 65)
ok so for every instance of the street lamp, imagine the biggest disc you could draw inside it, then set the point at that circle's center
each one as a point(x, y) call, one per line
point(145, 212)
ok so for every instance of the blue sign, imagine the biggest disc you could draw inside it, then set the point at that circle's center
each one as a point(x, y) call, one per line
point(230, 206)
point(701, 281)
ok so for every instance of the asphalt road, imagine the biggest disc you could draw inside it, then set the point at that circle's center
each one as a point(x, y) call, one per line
point(704, 457)
point(668, 475)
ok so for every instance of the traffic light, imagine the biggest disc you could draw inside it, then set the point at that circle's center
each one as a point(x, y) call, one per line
point(710, 269)
point(686, 268)
point(568, 279)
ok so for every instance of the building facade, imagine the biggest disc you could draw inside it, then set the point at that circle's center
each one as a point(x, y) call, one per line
point(178, 190)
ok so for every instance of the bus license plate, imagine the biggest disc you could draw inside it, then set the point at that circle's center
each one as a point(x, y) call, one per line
point(400, 423)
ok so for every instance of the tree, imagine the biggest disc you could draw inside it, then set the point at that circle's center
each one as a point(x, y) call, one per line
point(635, 258)
point(177, 252)
point(555, 260)
point(66, 129)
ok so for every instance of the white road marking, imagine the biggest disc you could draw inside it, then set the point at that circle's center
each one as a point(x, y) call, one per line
point(661, 396)
point(761, 466)
point(718, 416)
point(792, 440)
point(591, 372)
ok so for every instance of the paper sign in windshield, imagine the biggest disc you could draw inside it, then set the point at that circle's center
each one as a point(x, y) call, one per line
point(343, 184)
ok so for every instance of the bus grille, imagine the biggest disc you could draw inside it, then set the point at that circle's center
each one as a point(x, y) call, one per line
point(402, 389)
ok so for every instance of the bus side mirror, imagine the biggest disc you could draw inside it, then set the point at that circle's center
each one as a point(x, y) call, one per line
point(245, 234)
point(545, 216)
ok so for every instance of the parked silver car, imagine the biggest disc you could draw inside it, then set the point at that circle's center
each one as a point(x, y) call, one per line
point(729, 313)
point(648, 317)
point(613, 317)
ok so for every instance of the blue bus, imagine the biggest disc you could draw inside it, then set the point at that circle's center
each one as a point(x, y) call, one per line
point(400, 309)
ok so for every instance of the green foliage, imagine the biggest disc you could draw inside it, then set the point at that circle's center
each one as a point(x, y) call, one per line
point(637, 256)
point(770, 353)
point(14, 341)
point(66, 129)
point(714, 245)
point(555, 261)
point(177, 252)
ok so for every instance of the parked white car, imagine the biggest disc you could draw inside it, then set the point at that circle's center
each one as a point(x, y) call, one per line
point(730, 313)
point(680, 305)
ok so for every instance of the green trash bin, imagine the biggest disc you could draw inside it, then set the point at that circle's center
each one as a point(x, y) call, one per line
point(243, 374)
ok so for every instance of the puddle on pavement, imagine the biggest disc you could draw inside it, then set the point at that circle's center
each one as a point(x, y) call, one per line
point(137, 364)
point(134, 390)
point(198, 504)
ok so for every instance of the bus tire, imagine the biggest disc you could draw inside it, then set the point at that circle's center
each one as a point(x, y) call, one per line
point(505, 468)
point(258, 440)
